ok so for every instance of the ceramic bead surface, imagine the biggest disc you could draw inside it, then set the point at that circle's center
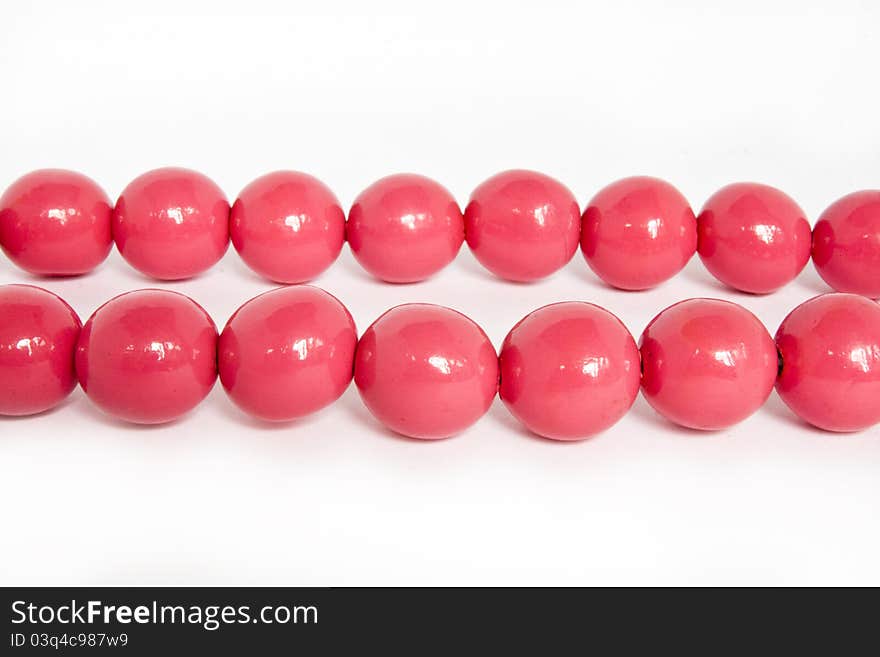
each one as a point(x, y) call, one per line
point(569, 370)
point(426, 371)
point(707, 363)
point(522, 225)
point(38, 334)
point(171, 223)
point(287, 226)
point(830, 350)
point(638, 232)
point(846, 244)
point(148, 356)
point(287, 353)
point(753, 237)
point(405, 228)
point(55, 223)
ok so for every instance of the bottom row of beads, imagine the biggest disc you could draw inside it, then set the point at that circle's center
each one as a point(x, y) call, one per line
point(566, 371)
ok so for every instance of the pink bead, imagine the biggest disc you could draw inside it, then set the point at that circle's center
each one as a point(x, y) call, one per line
point(830, 349)
point(753, 237)
point(522, 225)
point(287, 353)
point(638, 232)
point(55, 223)
point(846, 244)
point(404, 228)
point(707, 363)
point(171, 223)
point(38, 334)
point(426, 371)
point(148, 356)
point(287, 226)
point(569, 370)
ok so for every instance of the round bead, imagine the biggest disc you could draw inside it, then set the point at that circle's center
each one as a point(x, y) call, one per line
point(846, 244)
point(38, 334)
point(148, 356)
point(287, 353)
point(522, 225)
point(426, 371)
point(638, 232)
point(707, 363)
point(287, 226)
point(569, 370)
point(55, 223)
point(753, 237)
point(171, 223)
point(405, 228)
point(830, 350)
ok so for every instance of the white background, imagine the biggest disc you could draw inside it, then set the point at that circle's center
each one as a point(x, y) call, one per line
point(701, 94)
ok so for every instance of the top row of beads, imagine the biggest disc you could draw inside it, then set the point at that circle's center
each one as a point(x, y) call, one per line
point(289, 227)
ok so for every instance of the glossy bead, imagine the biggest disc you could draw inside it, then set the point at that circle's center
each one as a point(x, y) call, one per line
point(753, 237)
point(426, 371)
point(638, 232)
point(38, 334)
point(287, 353)
point(55, 223)
point(707, 363)
point(287, 226)
point(830, 350)
point(522, 225)
point(148, 356)
point(569, 370)
point(846, 244)
point(405, 228)
point(171, 223)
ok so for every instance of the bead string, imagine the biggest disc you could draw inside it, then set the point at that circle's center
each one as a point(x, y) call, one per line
point(174, 223)
point(567, 370)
